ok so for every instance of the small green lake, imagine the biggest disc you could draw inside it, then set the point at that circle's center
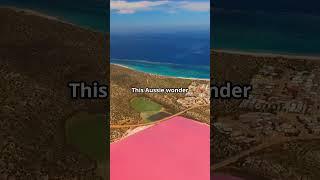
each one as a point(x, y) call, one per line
point(142, 104)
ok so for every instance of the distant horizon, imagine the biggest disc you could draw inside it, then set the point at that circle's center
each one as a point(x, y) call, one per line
point(160, 30)
point(159, 15)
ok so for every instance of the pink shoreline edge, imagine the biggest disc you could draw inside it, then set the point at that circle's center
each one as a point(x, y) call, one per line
point(149, 126)
point(178, 149)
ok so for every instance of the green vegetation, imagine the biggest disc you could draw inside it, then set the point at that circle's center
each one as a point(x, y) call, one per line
point(88, 132)
point(141, 104)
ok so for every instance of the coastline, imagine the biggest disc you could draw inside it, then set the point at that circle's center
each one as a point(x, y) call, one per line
point(266, 54)
point(164, 76)
point(235, 52)
point(46, 16)
point(32, 12)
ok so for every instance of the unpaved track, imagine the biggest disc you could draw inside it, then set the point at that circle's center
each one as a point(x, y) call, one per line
point(153, 123)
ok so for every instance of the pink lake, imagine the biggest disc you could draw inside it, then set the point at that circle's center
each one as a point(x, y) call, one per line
point(176, 149)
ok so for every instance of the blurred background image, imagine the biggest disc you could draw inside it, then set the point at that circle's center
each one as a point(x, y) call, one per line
point(271, 45)
point(44, 133)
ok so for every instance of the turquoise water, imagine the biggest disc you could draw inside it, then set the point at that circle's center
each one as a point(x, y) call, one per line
point(166, 69)
point(288, 33)
point(171, 54)
point(175, 56)
point(280, 27)
point(89, 14)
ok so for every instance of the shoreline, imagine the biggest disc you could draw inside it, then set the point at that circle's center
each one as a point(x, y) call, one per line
point(234, 52)
point(46, 16)
point(266, 54)
point(164, 76)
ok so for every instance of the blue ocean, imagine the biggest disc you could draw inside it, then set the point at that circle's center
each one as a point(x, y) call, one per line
point(166, 69)
point(181, 54)
point(92, 14)
point(279, 27)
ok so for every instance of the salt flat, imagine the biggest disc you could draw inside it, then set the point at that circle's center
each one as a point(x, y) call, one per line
point(174, 149)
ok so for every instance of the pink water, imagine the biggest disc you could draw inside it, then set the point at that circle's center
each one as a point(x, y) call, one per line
point(176, 149)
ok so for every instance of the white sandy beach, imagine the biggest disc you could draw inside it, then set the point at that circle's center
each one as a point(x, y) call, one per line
point(261, 54)
point(196, 79)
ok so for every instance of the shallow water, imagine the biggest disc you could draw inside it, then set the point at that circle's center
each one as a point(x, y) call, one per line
point(85, 13)
point(166, 69)
point(287, 32)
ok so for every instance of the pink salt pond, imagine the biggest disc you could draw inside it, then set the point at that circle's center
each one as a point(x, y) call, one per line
point(176, 149)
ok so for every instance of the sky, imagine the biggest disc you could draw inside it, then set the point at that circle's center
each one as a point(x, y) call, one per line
point(152, 15)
